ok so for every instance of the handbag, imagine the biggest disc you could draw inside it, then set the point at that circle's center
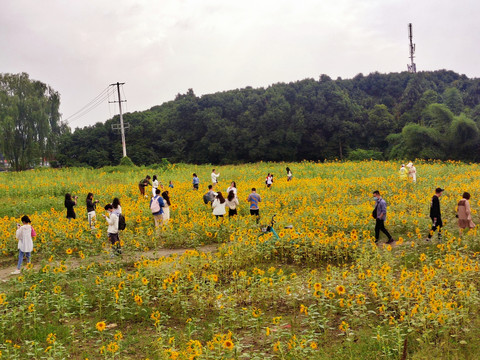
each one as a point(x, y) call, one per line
point(34, 233)
point(374, 212)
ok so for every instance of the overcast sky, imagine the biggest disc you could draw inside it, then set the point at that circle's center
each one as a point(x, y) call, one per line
point(160, 48)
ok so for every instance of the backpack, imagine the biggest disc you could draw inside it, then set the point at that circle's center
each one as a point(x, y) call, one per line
point(121, 222)
point(206, 198)
point(155, 206)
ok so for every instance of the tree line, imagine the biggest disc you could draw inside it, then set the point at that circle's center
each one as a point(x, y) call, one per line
point(429, 115)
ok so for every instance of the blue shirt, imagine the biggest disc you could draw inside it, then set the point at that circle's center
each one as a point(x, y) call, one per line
point(196, 180)
point(160, 202)
point(254, 199)
point(381, 209)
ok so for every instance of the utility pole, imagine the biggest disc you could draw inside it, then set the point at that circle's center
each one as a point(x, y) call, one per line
point(412, 68)
point(122, 128)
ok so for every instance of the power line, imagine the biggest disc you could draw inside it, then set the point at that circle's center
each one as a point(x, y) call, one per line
point(98, 100)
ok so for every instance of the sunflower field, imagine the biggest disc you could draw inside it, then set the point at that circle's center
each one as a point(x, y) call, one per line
point(205, 288)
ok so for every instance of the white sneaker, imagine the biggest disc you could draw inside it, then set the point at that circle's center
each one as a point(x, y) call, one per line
point(16, 272)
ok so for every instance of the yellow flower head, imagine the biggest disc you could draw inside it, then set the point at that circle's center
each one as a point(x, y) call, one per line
point(101, 326)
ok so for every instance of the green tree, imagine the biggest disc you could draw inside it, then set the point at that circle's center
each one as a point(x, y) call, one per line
point(29, 120)
point(463, 138)
point(453, 99)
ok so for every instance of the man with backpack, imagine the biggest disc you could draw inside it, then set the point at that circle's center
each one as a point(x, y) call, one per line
point(209, 197)
point(156, 205)
point(113, 225)
point(380, 215)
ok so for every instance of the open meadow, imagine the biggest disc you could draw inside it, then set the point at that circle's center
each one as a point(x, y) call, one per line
point(322, 290)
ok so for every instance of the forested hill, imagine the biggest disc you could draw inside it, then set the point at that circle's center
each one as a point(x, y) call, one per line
point(432, 115)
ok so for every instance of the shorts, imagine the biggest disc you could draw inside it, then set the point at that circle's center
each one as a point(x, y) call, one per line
point(255, 212)
point(232, 212)
point(195, 186)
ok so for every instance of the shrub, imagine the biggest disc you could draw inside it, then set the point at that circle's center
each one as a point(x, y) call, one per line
point(126, 161)
point(361, 154)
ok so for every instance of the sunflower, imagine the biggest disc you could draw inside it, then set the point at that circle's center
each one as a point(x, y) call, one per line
point(340, 289)
point(228, 344)
point(101, 326)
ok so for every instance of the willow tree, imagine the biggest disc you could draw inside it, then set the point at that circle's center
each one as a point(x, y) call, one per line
point(29, 120)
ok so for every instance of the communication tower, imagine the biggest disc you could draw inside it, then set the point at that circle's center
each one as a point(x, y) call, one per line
point(412, 67)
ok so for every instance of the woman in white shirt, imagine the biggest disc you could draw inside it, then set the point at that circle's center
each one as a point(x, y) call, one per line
point(218, 206)
point(232, 203)
point(25, 242)
point(233, 187)
point(154, 184)
point(117, 209)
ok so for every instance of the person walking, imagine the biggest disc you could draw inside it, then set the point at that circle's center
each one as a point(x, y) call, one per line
point(112, 221)
point(69, 204)
point(156, 206)
point(464, 213)
point(269, 180)
point(144, 183)
point(25, 242)
point(254, 199)
point(436, 215)
point(380, 215)
point(154, 185)
point(289, 174)
point(218, 206)
point(91, 207)
point(166, 207)
point(117, 209)
point(232, 203)
point(195, 181)
point(214, 177)
point(412, 172)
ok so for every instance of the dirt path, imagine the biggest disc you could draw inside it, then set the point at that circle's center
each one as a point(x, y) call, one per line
point(73, 263)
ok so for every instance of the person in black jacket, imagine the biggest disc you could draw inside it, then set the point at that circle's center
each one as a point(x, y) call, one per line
point(69, 204)
point(91, 214)
point(436, 215)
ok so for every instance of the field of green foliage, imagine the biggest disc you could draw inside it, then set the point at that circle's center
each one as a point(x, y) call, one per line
point(202, 288)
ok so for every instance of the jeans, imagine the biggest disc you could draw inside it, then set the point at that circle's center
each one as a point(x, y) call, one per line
point(20, 258)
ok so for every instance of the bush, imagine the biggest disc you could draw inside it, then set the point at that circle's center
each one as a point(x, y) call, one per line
point(126, 161)
point(361, 154)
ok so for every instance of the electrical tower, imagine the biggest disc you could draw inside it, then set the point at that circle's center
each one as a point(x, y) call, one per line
point(121, 126)
point(412, 67)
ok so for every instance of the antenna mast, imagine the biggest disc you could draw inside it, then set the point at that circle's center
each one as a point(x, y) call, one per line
point(412, 68)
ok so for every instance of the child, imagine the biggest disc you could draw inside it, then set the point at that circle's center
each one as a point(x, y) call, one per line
point(25, 242)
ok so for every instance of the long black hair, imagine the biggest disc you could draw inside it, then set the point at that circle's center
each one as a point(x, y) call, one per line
point(231, 195)
point(220, 197)
point(68, 197)
point(89, 196)
point(115, 203)
point(166, 197)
